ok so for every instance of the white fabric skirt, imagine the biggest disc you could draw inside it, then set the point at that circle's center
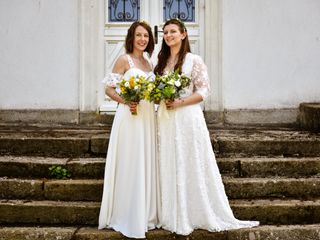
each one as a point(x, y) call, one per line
point(129, 202)
point(192, 192)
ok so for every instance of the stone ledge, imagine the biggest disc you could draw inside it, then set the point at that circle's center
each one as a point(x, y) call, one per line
point(309, 116)
point(87, 213)
point(93, 168)
point(283, 232)
point(91, 189)
point(282, 117)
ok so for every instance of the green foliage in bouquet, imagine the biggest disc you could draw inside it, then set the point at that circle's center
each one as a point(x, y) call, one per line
point(135, 89)
point(169, 86)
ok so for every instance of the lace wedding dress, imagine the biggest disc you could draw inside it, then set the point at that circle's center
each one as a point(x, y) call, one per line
point(192, 192)
point(130, 184)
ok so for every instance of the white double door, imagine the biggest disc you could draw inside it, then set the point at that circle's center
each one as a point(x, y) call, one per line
point(152, 12)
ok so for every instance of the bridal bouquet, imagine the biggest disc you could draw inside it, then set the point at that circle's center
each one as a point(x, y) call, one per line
point(169, 86)
point(135, 89)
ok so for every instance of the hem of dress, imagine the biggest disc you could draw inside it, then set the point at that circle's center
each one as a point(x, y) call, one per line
point(252, 224)
point(118, 229)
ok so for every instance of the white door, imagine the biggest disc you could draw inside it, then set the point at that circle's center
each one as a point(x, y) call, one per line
point(155, 12)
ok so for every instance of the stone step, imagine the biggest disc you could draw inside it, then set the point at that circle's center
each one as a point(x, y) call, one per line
point(68, 142)
point(309, 116)
point(86, 213)
point(284, 232)
point(91, 190)
point(253, 142)
point(271, 166)
point(87, 168)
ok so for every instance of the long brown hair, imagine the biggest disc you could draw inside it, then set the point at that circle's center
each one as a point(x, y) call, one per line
point(164, 53)
point(130, 37)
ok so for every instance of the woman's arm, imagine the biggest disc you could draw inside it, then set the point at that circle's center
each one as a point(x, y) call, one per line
point(120, 67)
point(200, 79)
point(180, 102)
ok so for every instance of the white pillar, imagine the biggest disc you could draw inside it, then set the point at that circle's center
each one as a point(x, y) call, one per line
point(213, 53)
point(91, 52)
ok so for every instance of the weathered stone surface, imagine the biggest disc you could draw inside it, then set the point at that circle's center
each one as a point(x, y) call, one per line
point(267, 143)
point(95, 234)
point(13, 166)
point(87, 167)
point(286, 232)
point(87, 141)
point(278, 211)
point(99, 143)
point(95, 118)
point(38, 167)
point(20, 189)
point(295, 232)
point(91, 189)
point(261, 116)
point(269, 148)
point(47, 116)
point(291, 167)
point(159, 234)
point(73, 190)
point(229, 166)
point(49, 212)
point(36, 233)
point(45, 146)
point(309, 116)
point(250, 188)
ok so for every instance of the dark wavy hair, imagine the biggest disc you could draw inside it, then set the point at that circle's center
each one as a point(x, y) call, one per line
point(164, 53)
point(130, 37)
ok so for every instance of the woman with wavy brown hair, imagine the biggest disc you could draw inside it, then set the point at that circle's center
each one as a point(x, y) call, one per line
point(191, 189)
point(130, 184)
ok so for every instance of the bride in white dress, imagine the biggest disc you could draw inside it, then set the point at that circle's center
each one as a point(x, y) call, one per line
point(130, 184)
point(191, 189)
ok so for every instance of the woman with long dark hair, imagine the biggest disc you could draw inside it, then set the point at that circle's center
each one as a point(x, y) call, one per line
point(130, 184)
point(191, 189)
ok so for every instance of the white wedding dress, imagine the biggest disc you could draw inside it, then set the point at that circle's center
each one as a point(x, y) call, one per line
point(129, 202)
point(192, 192)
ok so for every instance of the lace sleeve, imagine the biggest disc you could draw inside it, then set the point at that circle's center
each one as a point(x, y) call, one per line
point(111, 79)
point(200, 78)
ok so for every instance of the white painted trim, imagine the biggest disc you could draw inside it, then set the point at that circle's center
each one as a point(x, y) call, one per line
point(213, 53)
point(91, 53)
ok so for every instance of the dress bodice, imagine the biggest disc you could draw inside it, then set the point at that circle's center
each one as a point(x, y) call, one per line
point(138, 72)
point(112, 79)
point(194, 68)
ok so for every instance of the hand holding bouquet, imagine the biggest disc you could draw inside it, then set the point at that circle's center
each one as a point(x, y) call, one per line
point(135, 89)
point(169, 86)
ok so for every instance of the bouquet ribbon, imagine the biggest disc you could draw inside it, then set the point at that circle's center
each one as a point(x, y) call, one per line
point(163, 111)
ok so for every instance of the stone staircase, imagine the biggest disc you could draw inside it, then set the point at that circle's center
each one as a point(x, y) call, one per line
point(270, 174)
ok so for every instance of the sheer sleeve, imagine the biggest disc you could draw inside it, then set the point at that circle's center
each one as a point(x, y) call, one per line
point(200, 78)
point(112, 79)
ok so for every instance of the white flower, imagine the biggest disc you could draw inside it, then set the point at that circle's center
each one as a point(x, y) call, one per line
point(127, 84)
point(177, 83)
point(136, 87)
point(171, 82)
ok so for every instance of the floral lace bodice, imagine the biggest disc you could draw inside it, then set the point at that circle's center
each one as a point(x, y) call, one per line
point(194, 68)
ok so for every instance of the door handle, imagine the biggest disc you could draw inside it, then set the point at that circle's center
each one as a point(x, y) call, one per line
point(156, 33)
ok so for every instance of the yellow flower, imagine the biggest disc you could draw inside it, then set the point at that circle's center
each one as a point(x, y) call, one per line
point(132, 82)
